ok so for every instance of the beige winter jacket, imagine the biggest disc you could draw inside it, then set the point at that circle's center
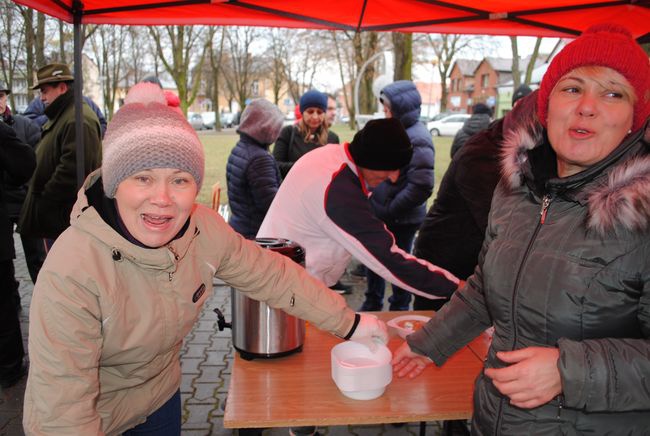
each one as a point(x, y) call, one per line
point(108, 318)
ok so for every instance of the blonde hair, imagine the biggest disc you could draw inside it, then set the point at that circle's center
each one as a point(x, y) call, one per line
point(320, 136)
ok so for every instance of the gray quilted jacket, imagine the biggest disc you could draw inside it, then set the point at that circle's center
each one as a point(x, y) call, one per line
point(575, 275)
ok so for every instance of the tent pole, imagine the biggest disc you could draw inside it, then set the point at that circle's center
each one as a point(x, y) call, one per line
point(77, 9)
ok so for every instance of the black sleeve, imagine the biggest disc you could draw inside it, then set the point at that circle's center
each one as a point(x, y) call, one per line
point(281, 150)
point(17, 159)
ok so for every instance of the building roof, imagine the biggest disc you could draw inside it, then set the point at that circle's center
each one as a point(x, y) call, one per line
point(466, 66)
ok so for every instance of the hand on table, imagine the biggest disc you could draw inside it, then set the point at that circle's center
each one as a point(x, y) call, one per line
point(370, 327)
point(531, 380)
point(406, 362)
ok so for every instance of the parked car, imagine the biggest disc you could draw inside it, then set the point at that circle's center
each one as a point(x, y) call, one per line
point(441, 115)
point(289, 119)
point(447, 126)
point(208, 120)
point(195, 120)
point(227, 119)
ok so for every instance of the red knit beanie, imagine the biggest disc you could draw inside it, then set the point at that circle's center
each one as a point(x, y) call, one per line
point(606, 45)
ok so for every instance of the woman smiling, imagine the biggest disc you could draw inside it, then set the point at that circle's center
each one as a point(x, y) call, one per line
point(563, 276)
point(125, 283)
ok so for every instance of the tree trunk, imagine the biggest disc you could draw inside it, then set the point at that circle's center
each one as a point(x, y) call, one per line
point(403, 53)
point(516, 74)
point(62, 43)
point(30, 40)
point(531, 65)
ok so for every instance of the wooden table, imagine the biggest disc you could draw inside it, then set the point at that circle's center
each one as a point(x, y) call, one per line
point(298, 390)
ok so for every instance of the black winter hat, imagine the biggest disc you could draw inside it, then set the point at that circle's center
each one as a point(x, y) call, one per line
point(481, 108)
point(381, 145)
point(520, 92)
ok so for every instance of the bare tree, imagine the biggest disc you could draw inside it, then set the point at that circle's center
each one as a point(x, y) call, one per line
point(136, 55)
point(182, 51)
point(403, 53)
point(446, 47)
point(277, 56)
point(530, 66)
point(239, 65)
point(108, 47)
point(12, 46)
point(216, 55)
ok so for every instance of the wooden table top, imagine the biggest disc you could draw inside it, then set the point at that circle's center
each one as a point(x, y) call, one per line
point(298, 390)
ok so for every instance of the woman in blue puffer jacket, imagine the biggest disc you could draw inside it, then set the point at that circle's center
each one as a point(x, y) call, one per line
point(252, 174)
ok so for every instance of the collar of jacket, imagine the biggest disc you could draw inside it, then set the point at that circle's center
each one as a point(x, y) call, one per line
point(250, 140)
point(86, 219)
point(7, 117)
point(616, 190)
point(56, 108)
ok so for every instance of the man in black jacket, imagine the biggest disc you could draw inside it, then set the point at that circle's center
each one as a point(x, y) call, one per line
point(479, 120)
point(17, 161)
point(29, 132)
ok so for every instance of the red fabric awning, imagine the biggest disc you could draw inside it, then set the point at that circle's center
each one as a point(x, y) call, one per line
point(559, 18)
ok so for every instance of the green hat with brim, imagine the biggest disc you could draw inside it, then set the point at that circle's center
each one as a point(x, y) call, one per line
point(53, 73)
point(4, 88)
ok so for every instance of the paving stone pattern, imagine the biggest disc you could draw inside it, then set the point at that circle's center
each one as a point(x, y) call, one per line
point(206, 360)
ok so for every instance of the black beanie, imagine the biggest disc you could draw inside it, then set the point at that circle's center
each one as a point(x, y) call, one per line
point(381, 145)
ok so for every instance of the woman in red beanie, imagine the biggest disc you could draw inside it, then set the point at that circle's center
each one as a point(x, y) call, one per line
point(563, 276)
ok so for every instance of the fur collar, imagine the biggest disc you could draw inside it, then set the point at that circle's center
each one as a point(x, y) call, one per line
point(621, 201)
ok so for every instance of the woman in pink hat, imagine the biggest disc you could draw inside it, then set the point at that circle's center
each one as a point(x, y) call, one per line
point(563, 276)
point(124, 284)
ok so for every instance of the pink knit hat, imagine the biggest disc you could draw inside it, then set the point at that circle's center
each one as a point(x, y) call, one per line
point(145, 134)
point(605, 45)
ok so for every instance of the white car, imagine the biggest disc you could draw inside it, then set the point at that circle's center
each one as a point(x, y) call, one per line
point(196, 120)
point(447, 126)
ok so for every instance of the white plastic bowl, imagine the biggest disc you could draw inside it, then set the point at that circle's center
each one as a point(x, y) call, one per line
point(359, 372)
point(397, 324)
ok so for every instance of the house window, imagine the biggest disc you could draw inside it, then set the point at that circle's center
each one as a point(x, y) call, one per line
point(255, 88)
point(485, 80)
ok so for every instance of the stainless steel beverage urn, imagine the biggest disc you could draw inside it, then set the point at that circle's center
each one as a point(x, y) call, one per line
point(259, 331)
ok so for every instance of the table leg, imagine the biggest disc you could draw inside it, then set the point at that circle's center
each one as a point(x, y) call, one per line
point(423, 428)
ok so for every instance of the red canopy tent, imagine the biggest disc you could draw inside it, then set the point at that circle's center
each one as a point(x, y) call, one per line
point(496, 17)
point(552, 18)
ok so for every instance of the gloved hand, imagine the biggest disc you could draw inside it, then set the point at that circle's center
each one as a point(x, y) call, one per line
point(370, 327)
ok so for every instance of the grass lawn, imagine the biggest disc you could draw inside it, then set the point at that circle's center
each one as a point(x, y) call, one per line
point(218, 145)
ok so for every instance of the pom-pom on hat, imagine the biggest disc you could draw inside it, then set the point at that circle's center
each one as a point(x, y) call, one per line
point(381, 145)
point(146, 134)
point(262, 121)
point(605, 45)
point(313, 98)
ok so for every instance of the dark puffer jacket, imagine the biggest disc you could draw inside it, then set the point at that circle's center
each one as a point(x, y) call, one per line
point(30, 133)
point(578, 279)
point(253, 180)
point(404, 202)
point(471, 126)
point(452, 232)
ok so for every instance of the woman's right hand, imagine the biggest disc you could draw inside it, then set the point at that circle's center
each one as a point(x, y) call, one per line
point(406, 362)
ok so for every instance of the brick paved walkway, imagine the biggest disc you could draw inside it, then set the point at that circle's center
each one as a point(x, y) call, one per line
point(206, 360)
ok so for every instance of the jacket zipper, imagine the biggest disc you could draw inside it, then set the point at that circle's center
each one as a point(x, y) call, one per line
point(176, 257)
point(546, 201)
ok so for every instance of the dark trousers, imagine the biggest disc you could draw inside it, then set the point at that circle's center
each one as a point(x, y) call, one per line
point(166, 421)
point(11, 340)
point(34, 252)
point(400, 300)
point(34, 255)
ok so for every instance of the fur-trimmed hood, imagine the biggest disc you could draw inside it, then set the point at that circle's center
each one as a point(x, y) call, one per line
point(621, 199)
